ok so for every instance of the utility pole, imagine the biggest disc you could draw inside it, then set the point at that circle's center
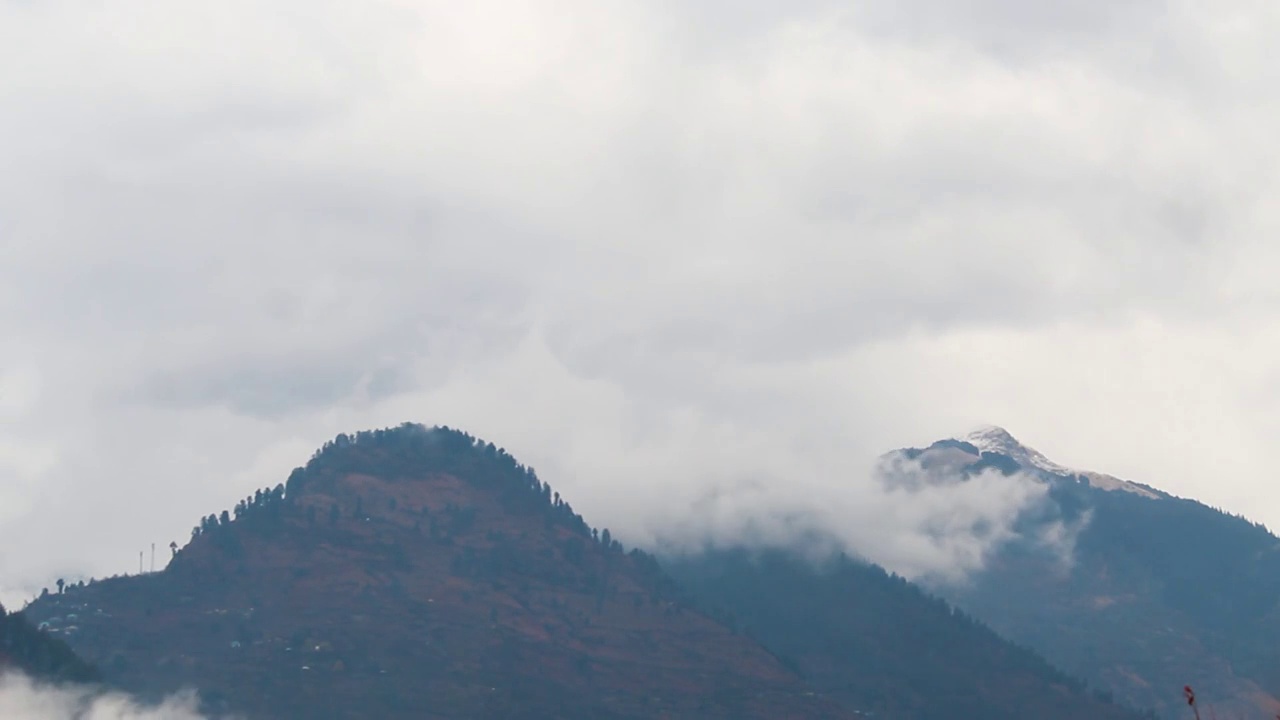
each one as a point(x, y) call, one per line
point(153, 557)
point(139, 562)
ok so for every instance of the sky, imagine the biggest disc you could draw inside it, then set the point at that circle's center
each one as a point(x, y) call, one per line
point(697, 263)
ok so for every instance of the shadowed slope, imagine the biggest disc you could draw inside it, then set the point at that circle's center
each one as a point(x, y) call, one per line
point(879, 644)
point(38, 654)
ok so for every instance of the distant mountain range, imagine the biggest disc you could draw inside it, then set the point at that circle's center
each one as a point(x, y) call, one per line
point(421, 573)
point(1160, 591)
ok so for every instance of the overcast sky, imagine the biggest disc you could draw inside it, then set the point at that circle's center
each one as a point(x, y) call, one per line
point(689, 260)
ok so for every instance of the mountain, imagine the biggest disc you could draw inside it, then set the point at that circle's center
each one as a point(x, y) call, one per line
point(37, 653)
point(880, 644)
point(1159, 592)
point(420, 573)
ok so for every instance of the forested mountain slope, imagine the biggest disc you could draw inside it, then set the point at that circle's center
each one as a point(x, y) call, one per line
point(420, 573)
point(1160, 591)
point(880, 644)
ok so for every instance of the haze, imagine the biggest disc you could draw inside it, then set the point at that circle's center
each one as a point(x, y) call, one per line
point(691, 264)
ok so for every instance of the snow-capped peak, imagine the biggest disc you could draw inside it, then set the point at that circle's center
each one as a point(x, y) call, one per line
point(998, 440)
point(991, 438)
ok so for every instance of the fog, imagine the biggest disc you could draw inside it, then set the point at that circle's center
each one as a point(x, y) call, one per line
point(21, 698)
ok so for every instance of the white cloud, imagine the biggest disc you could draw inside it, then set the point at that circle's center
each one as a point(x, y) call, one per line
point(652, 249)
point(23, 699)
point(924, 523)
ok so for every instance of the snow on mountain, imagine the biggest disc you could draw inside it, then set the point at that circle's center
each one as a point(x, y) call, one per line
point(995, 439)
point(998, 440)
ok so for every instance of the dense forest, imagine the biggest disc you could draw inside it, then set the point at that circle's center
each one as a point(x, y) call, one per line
point(410, 453)
point(880, 644)
point(407, 452)
point(39, 654)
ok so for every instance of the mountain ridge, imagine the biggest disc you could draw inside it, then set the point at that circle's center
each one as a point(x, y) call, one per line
point(995, 439)
point(422, 573)
point(1161, 591)
point(415, 572)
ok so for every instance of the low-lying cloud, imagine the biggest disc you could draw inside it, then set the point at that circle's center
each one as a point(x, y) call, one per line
point(22, 698)
point(924, 523)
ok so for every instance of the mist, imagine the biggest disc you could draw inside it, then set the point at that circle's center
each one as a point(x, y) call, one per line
point(21, 698)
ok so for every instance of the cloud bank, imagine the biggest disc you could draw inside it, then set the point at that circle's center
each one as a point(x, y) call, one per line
point(717, 256)
point(927, 524)
point(21, 698)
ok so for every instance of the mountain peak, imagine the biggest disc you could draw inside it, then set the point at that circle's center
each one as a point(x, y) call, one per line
point(992, 434)
point(416, 568)
point(995, 439)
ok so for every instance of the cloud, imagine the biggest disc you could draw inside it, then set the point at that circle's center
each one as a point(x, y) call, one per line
point(662, 252)
point(25, 699)
point(925, 523)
